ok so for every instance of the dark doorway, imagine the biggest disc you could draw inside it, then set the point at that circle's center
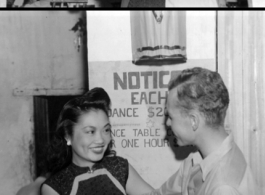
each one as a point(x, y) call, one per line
point(46, 113)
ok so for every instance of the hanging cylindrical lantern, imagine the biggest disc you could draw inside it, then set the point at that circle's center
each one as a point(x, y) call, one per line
point(158, 37)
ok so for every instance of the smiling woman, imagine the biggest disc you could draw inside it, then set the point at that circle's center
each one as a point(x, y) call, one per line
point(90, 138)
point(80, 158)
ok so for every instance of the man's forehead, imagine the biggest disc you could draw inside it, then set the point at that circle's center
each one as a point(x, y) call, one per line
point(172, 94)
point(171, 99)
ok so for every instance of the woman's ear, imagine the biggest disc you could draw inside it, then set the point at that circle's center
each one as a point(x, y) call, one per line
point(68, 140)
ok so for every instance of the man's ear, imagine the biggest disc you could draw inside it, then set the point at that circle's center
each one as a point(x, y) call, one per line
point(194, 120)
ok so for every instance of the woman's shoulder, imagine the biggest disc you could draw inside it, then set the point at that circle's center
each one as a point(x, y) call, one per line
point(55, 179)
point(115, 159)
point(60, 179)
point(118, 167)
point(116, 164)
point(59, 175)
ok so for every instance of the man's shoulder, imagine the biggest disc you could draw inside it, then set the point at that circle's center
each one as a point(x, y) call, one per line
point(231, 168)
point(234, 160)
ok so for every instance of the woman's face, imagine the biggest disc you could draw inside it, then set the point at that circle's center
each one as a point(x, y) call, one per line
point(91, 137)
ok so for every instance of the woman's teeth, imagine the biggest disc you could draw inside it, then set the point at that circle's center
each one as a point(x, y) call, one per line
point(98, 149)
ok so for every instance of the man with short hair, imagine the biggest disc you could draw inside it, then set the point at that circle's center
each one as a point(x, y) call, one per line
point(196, 108)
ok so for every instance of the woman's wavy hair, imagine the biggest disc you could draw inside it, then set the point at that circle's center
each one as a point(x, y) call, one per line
point(59, 155)
point(204, 90)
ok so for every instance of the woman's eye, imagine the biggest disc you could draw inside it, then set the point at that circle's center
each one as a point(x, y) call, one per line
point(107, 130)
point(90, 132)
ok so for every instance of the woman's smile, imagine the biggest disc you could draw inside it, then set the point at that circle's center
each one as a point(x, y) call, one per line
point(98, 149)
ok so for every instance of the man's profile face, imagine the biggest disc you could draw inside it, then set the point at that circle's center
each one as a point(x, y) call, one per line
point(178, 121)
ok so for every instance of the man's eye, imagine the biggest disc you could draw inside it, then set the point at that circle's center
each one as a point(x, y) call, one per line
point(166, 113)
point(90, 132)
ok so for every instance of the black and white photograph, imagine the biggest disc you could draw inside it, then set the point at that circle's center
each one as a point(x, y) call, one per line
point(233, 4)
point(132, 102)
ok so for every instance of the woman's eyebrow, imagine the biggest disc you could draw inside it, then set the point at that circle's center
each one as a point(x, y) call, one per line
point(89, 126)
point(108, 124)
point(93, 127)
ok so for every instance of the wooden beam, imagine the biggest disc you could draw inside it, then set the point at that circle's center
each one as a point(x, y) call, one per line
point(47, 92)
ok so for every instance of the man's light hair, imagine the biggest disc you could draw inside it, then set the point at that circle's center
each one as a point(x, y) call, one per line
point(204, 90)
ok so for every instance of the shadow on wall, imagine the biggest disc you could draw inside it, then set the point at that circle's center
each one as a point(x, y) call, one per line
point(84, 42)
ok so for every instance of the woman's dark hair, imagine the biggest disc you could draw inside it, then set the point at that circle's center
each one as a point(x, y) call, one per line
point(59, 155)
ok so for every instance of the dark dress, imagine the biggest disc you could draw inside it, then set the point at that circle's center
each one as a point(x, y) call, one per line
point(109, 177)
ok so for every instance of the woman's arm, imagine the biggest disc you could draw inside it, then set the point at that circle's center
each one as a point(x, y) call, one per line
point(135, 183)
point(47, 190)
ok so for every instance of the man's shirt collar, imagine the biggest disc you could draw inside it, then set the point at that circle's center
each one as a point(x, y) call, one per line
point(210, 161)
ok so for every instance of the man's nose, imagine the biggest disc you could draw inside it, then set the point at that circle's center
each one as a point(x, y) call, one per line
point(168, 122)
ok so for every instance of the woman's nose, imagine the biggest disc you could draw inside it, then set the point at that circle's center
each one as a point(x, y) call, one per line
point(99, 137)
